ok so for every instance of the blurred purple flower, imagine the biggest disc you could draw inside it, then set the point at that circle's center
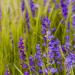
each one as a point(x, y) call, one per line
point(27, 20)
point(38, 58)
point(73, 21)
point(45, 25)
point(40, 71)
point(26, 73)
point(67, 42)
point(64, 8)
point(33, 7)
point(53, 70)
point(22, 5)
point(7, 72)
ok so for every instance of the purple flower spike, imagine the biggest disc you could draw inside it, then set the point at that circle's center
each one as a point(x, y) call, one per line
point(6, 72)
point(73, 21)
point(22, 5)
point(27, 20)
point(53, 70)
point(33, 7)
point(24, 66)
point(73, 8)
point(46, 71)
point(45, 25)
point(26, 73)
point(40, 71)
point(21, 48)
point(64, 8)
point(31, 61)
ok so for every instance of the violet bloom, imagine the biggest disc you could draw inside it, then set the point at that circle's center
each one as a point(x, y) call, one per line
point(32, 64)
point(33, 7)
point(24, 66)
point(70, 61)
point(40, 71)
point(54, 52)
point(53, 70)
point(27, 21)
point(45, 25)
point(68, 27)
point(67, 42)
point(46, 71)
point(26, 73)
point(73, 21)
point(64, 8)
point(21, 50)
point(22, 54)
point(45, 1)
point(22, 5)
point(73, 8)
point(38, 58)
point(6, 72)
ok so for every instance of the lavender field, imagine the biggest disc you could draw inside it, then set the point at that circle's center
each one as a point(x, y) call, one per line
point(37, 37)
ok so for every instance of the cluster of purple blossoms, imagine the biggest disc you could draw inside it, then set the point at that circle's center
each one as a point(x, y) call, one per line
point(22, 56)
point(45, 25)
point(73, 14)
point(69, 62)
point(21, 50)
point(73, 21)
point(33, 7)
point(54, 53)
point(32, 65)
point(45, 29)
point(38, 58)
point(64, 8)
point(7, 72)
point(67, 42)
point(22, 5)
point(27, 21)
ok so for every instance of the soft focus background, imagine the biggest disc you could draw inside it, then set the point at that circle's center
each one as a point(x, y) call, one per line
point(37, 37)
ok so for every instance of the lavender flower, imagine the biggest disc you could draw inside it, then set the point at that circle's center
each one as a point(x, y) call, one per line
point(38, 58)
point(26, 73)
point(33, 7)
point(73, 8)
point(54, 53)
point(32, 64)
point(68, 27)
point(46, 71)
point(21, 49)
point(45, 25)
point(22, 5)
point(53, 70)
point(69, 62)
point(73, 21)
point(27, 21)
point(64, 8)
point(7, 72)
point(24, 66)
point(22, 56)
point(67, 43)
point(40, 71)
